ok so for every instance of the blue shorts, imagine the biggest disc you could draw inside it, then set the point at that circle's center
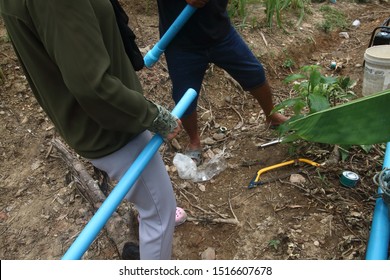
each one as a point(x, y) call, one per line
point(188, 66)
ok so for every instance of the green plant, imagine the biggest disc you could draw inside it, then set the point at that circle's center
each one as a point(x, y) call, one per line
point(361, 121)
point(274, 8)
point(299, 5)
point(237, 8)
point(288, 63)
point(274, 243)
point(333, 19)
point(315, 91)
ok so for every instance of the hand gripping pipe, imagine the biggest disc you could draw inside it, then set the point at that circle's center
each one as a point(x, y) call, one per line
point(378, 242)
point(97, 222)
point(154, 54)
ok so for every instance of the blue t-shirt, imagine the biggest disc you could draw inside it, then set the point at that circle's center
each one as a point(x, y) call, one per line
point(205, 28)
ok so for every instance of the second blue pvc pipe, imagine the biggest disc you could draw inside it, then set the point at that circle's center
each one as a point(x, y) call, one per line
point(154, 54)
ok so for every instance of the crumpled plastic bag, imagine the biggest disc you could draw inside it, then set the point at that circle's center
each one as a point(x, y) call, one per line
point(186, 167)
point(188, 170)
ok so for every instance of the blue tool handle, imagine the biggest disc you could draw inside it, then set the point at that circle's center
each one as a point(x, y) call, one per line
point(154, 54)
point(97, 222)
point(379, 239)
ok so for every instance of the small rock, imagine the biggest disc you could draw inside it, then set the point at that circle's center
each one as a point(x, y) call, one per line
point(208, 254)
point(356, 214)
point(209, 154)
point(218, 136)
point(356, 23)
point(3, 216)
point(297, 179)
point(344, 35)
point(36, 165)
point(206, 116)
point(202, 188)
point(83, 212)
point(316, 243)
point(208, 141)
point(173, 169)
point(176, 144)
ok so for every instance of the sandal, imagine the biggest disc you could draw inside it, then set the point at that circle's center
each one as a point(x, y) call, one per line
point(195, 155)
point(180, 217)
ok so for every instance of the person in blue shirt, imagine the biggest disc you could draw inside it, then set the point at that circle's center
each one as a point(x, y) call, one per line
point(209, 37)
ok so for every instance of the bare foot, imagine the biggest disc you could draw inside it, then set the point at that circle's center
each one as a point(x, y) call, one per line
point(276, 119)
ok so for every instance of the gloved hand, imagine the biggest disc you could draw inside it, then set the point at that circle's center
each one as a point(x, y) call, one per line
point(166, 124)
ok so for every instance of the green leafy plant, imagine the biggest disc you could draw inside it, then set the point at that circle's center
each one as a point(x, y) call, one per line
point(361, 121)
point(314, 92)
point(274, 243)
point(274, 8)
point(323, 112)
point(288, 63)
point(237, 8)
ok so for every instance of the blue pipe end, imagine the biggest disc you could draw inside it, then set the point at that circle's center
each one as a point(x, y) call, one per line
point(152, 56)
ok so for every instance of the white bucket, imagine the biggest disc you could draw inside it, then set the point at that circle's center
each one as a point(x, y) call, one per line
point(376, 70)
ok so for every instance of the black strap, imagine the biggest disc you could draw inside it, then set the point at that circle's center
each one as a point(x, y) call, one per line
point(128, 37)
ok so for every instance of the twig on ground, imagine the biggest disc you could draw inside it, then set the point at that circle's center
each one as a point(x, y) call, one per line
point(231, 208)
point(263, 37)
point(216, 220)
point(241, 123)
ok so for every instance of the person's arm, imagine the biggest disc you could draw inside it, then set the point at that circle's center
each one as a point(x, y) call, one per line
point(72, 36)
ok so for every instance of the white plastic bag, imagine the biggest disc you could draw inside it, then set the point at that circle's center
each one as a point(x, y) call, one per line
point(185, 166)
point(211, 168)
point(188, 170)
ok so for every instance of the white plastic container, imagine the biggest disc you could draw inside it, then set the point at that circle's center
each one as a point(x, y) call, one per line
point(376, 69)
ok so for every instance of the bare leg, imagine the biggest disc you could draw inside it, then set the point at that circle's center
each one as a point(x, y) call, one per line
point(190, 124)
point(263, 96)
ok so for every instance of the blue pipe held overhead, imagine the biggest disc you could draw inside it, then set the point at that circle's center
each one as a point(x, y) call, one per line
point(154, 54)
point(378, 242)
point(97, 222)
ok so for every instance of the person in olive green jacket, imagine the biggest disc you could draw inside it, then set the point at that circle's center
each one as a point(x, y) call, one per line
point(74, 60)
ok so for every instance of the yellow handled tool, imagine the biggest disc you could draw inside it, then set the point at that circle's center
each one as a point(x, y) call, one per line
point(255, 181)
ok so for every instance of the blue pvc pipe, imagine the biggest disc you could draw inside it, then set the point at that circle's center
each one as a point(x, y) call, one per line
point(378, 242)
point(154, 54)
point(94, 226)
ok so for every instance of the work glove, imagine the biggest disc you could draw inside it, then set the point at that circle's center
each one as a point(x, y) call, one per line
point(165, 123)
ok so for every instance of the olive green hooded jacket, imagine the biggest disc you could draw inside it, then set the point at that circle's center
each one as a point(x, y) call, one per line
point(76, 65)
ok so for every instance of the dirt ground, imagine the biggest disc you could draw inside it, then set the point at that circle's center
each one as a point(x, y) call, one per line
point(41, 211)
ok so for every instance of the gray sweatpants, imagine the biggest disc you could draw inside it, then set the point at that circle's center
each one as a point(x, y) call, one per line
point(152, 195)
